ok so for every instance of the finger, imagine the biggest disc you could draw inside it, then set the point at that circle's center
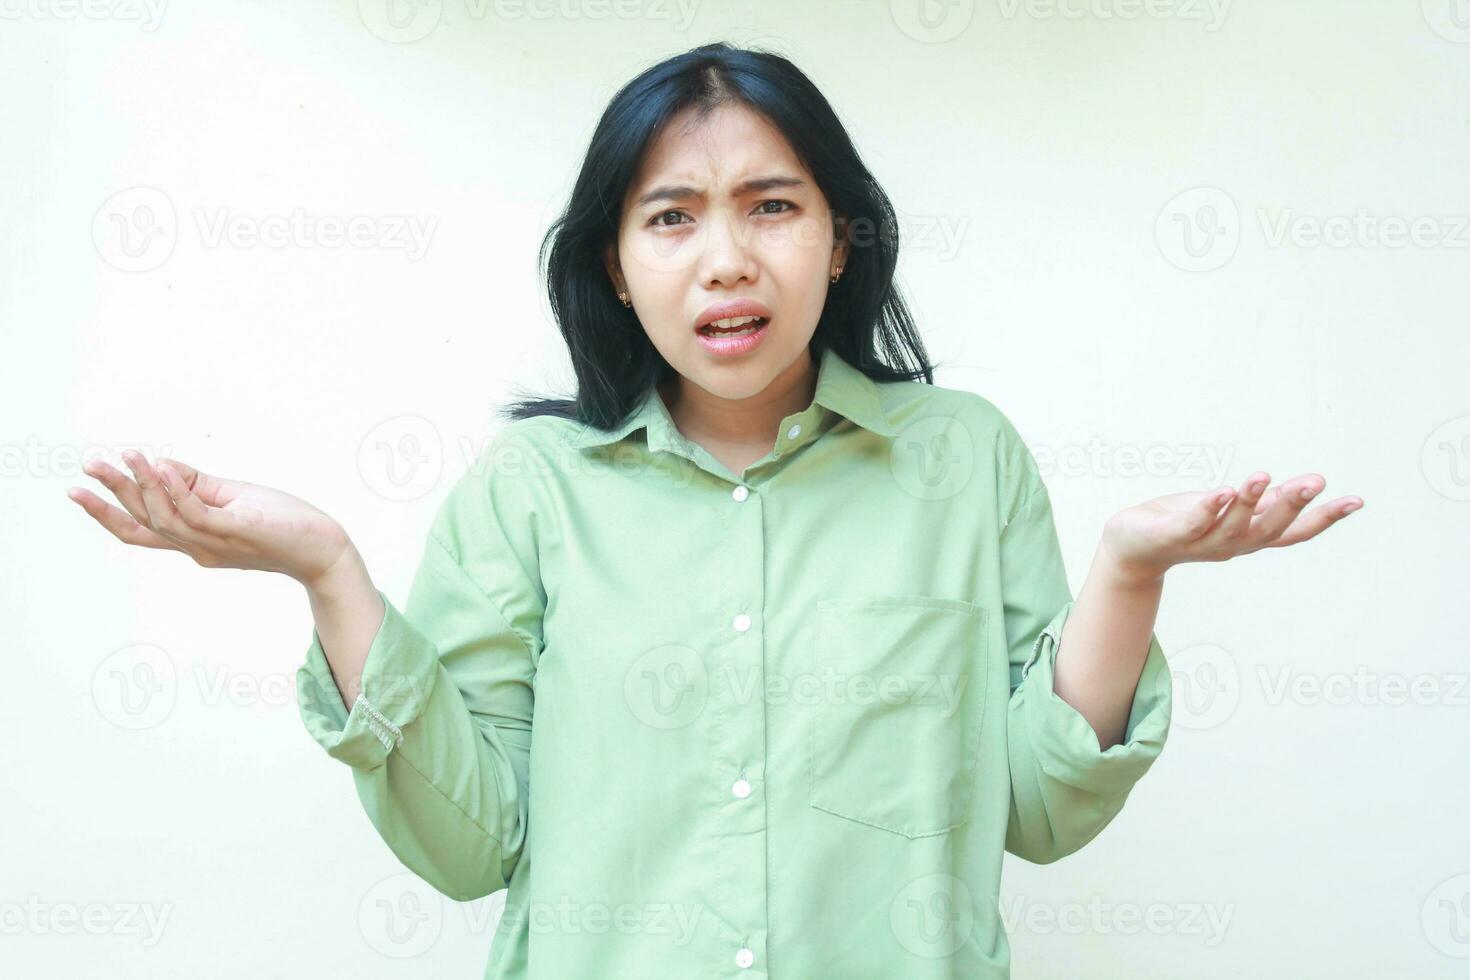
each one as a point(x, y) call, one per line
point(163, 516)
point(1234, 524)
point(1201, 517)
point(1313, 522)
point(195, 512)
point(1287, 501)
point(210, 489)
point(118, 521)
point(122, 487)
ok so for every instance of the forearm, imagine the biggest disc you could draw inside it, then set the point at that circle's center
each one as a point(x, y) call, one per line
point(1103, 645)
point(348, 613)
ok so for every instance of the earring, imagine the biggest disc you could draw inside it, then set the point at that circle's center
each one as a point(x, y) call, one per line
point(624, 298)
point(838, 274)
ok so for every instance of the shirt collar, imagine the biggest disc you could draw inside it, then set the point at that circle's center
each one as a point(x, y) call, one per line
point(840, 387)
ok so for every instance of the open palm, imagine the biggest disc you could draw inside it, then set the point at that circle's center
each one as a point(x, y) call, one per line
point(1216, 525)
point(220, 523)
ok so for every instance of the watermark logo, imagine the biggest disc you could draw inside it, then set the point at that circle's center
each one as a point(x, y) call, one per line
point(1198, 230)
point(401, 21)
point(401, 458)
point(136, 687)
point(401, 916)
point(1450, 19)
point(666, 687)
point(932, 21)
point(1205, 682)
point(1445, 917)
point(135, 230)
point(933, 458)
point(1445, 459)
point(933, 915)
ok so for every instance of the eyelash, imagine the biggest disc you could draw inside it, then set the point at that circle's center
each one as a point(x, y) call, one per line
point(656, 222)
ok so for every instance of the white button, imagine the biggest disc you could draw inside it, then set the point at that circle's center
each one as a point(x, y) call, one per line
point(741, 788)
point(793, 432)
point(740, 493)
point(744, 958)
point(742, 622)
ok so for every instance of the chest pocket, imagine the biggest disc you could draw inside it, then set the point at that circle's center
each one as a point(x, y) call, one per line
point(894, 735)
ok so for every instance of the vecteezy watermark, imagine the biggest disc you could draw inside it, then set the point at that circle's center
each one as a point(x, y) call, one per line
point(1205, 681)
point(667, 687)
point(137, 230)
point(1364, 229)
point(1206, 920)
point(36, 917)
point(933, 915)
point(1450, 19)
point(406, 21)
point(567, 916)
point(148, 14)
point(672, 247)
point(1445, 917)
point(1200, 230)
point(401, 457)
point(1363, 686)
point(932, 21)
point(401, 916)
point(1210, 12)
point(1206, 462)
point(933, 458)
point(1445, 459)
point(41, 459)
point(138, 686)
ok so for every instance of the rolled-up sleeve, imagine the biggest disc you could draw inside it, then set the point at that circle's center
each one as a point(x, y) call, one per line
point(1064, 787)
point(439, 739)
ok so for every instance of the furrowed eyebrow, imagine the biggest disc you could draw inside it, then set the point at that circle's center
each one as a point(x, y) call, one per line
point(680, 192)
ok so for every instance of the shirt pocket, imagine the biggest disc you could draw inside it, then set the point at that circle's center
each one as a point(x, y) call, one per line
point(894, 735)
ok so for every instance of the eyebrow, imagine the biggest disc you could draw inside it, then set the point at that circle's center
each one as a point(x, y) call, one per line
point(679, 192)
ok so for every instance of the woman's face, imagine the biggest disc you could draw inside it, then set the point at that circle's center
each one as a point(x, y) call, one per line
point(725, 212)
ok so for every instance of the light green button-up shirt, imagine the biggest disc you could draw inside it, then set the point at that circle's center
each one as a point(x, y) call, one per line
point(781, 723)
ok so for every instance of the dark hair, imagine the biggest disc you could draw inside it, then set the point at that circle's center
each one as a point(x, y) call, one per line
point(865, 318)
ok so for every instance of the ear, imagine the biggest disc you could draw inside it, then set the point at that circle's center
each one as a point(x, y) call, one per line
point(841, 247)
point(614, 267)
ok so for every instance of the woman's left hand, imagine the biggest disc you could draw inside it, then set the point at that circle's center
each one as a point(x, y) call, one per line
point(1145, 541)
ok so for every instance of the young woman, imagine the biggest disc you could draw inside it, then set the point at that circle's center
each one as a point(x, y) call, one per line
point(753, 657)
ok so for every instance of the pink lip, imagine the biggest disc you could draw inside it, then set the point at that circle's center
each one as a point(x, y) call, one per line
point(732, 307)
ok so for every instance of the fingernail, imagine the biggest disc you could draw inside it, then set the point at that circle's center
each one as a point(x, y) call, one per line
point(1308, 493)
point(1258, 486)
point(1349, 508)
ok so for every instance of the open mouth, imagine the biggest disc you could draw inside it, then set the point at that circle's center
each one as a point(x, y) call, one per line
point(735, 326)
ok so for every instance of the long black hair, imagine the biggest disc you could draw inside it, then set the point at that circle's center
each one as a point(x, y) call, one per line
point(865, 318)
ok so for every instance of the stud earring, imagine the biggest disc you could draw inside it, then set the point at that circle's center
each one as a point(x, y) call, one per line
point(624, 298)
point(838, 274)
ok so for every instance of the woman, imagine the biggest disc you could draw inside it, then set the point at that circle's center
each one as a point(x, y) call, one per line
point(787, 622)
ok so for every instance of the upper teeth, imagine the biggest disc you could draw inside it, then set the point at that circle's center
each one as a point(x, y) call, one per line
point(731, 323)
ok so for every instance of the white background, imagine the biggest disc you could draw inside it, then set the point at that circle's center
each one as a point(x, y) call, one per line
point(1049, 163)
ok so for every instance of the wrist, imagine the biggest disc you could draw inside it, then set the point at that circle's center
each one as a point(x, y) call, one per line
point(343, 577)
point(1131, 576)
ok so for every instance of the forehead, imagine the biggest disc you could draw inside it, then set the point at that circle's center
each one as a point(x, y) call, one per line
point(729, 144)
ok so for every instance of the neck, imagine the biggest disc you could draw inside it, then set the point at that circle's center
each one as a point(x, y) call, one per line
point(703, 417)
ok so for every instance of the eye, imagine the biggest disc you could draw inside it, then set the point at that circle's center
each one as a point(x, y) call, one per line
point(789, 206)
point(657, 220)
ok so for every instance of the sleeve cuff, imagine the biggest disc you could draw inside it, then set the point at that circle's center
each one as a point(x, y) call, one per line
point(397, 681)
point(1063, 739)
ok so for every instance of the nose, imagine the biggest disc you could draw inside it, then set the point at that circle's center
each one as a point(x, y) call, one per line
point(727, 257)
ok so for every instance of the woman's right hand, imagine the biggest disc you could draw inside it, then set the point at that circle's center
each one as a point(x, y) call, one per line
point(217, 522)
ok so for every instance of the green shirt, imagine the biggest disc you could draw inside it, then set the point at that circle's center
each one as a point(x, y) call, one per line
point(785, 722)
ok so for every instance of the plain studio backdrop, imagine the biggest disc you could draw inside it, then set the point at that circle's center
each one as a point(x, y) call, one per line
point(1173, 241)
